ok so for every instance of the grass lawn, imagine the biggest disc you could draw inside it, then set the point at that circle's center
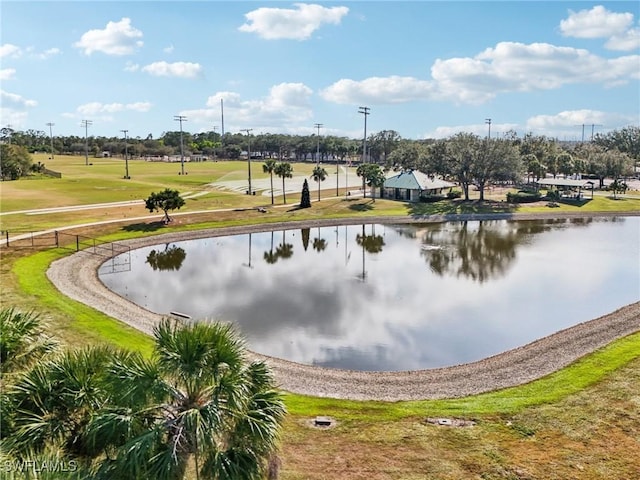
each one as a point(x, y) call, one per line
point(581, 422)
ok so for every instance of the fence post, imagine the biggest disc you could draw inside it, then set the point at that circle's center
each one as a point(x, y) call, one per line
point(77, 243)
point(6, 232)
point(56, 236)
point(31, 239)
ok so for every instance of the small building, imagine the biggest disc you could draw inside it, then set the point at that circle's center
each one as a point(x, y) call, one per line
point(410, 185)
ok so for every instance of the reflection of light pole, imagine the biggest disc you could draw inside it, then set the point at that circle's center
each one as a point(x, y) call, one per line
point(248, 130)
point(365, 112)
point(126, 155)
point(85, 124)
point(488, 122)
point(51, 137)
point(318, 126)
point(249, 264)
point(181, 118)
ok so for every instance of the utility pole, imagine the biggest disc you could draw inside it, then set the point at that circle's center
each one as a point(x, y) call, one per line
point(248, 130)
point(86, 124)
point(488, 122)
point(51, 136)
point(126, 155)
point(181, 118)
point(318, 126)
point(365, 112)
point(582, 131)
point(593, 125)
point(222, 115)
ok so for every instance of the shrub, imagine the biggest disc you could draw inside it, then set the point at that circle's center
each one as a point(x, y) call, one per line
point(454, 194)
point(432, 198)
point(523, 197)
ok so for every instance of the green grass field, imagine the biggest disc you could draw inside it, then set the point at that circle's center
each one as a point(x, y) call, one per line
point(581, 422)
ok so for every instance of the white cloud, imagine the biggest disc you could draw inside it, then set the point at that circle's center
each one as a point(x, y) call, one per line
point(15, 100)
point(378, 90)
point(117, 38)
point(131, 67)
point(629, 40)
point(480, 129)
point(168, 49)
point(284, 109)
point(49, 53)
point(7, 73)
point(295, 24)
point(176, 69)
point(508, 67)
point(595, 23)
point(9, 50)
point(97, 108)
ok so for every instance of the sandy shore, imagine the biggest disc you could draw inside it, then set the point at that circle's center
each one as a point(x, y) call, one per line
point(76, 276)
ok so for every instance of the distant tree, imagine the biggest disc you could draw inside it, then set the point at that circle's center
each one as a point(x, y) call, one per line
point(305, 200)
point(166, 201)
point(15, 161)
point(269, 167)
point(284, 170)
point(565, 164)
point(319, 174)
point(372, 175)
point(305, 233)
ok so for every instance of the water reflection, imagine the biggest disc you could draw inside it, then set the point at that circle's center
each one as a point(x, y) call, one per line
point(486, 287)
point(170, 258)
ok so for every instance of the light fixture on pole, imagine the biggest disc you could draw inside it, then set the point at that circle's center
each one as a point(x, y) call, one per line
point(488, 122)
point(51, 136)
point(318, 126)
point(248, 130)
point(365, 112)
point(181, 118)
point(86, 124)
point(126, 155)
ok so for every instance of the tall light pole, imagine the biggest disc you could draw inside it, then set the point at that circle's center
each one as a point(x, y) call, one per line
point(86, 124)
point(488, 122)
point(51, 136)
point(181, 118)
point(318, 126)
point(126, 155)
point(365, 112)
point(248, 130)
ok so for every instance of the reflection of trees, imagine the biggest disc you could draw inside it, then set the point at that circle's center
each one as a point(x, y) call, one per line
point(169, 259)
point(479, 254)
point(319, 244)
point(305, 232)
point(284, 250)
point(370, 243)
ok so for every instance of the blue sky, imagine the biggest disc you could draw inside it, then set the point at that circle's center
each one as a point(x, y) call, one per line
point(425, 69)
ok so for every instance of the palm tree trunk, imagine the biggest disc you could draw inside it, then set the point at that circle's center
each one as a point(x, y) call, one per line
point(318, 189)
point(271, 187)
point(284, 194)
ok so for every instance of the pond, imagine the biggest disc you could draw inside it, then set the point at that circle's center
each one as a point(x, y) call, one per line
point(393, 297)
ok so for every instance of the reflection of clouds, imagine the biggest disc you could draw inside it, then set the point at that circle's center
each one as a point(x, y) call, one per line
point(313, 309)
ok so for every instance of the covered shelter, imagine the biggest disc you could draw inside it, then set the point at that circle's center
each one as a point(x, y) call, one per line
point(568, 185)
point(410, 185)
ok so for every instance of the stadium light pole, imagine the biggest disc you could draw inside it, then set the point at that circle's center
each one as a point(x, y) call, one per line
point(181, 118)
point(488, 122)
point(248, 131)
point(51, 136)
point(126, 155)
point(318, 126)
point(365, 112)
point(86, 124)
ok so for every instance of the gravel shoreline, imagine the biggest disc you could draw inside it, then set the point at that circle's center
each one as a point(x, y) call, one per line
point(76, 277)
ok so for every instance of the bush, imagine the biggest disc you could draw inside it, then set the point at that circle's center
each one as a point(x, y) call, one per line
point(454, 194)
point(432, 198)
point(523, 197)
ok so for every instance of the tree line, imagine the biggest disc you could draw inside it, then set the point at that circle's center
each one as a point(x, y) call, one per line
point(466, 158)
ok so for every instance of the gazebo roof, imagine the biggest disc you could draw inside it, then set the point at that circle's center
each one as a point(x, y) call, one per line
point(565, 182)
point(415, 180)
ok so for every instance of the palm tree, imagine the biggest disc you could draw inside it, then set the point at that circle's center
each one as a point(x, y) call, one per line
point(22, 340)
point(269, 167)
point(284, 170)
point(319, 175)
point(195, 403)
